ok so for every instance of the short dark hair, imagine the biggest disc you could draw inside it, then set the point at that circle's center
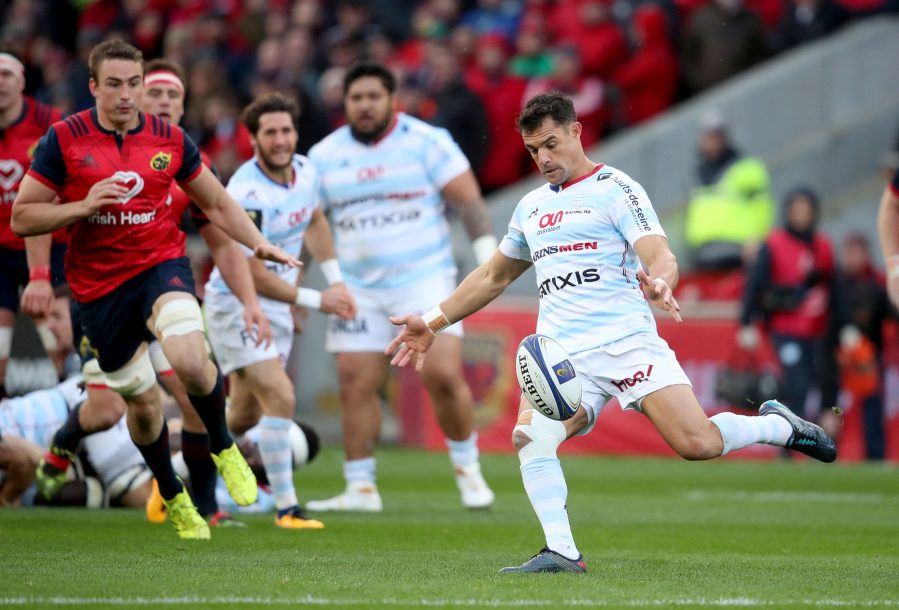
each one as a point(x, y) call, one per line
point(163, 65)
point(272, 102)
point(112, 49)
point(553, 105)
point(377, 70)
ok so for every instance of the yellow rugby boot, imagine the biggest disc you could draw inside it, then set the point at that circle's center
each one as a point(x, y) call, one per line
point(238, 477)
point(187, 521)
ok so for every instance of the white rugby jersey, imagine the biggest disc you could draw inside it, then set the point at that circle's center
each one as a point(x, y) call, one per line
point(384, 201)
point(38, 415)
point(281, 213)
point(580, 239)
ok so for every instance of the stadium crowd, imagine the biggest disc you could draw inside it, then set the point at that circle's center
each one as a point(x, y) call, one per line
point(466, 65)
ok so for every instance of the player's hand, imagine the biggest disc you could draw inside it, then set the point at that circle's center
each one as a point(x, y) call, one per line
point(270, 252)
point(104, 192)
point(659, 294)
point(412, 342)
point(338, 300)
point(37, 298)
point(300, 315)
point(256, 324)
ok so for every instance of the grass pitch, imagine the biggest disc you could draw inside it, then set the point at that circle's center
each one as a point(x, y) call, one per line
point(655, 533)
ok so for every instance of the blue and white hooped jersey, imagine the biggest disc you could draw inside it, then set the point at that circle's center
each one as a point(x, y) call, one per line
point(581, 240)
point(281, 213)
point(384, 202)
point(38, 415)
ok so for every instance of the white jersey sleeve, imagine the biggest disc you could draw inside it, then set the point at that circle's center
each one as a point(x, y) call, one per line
point(514, 244)
point(443, 158)
point(632, 212)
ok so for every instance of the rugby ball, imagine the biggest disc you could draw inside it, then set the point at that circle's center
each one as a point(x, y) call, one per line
point(547, 378)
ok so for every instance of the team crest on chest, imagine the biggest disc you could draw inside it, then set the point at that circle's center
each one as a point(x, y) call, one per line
point(161, 161)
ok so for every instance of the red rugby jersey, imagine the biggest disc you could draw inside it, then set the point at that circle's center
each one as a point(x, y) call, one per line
point(124, 239)
point(17, 144)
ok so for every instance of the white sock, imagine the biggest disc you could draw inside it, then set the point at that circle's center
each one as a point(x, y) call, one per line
point(464, 453)
point(545, 485)
point(738, 431)
point(274, 447)
point(359, 471)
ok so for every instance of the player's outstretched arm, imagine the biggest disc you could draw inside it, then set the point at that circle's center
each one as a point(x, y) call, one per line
point(660, 277)
point(888, 231)
point(36, 210)
point(463, 194)
point(229, 257)
point(223, 211)
point(478, 289)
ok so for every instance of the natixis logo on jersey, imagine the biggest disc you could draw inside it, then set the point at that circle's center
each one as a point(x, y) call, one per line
point(569, 280)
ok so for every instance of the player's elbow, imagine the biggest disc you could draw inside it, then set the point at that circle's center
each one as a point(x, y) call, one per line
point(19, 222)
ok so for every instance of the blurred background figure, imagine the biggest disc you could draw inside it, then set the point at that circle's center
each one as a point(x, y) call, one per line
point(720, 39)
point(731, 209)
point(790, 288)
point(861, 287)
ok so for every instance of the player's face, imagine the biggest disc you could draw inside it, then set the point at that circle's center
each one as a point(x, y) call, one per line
point(556, 149)
point(276, 140)
point(11, 87)
point(118, 89)
point(164, 100)
point(369, 107)
point(60, 323)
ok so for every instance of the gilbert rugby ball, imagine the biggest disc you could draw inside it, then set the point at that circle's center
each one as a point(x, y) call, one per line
point(547, 378)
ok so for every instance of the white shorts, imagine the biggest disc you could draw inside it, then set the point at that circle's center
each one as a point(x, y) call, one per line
point(629, 370)
point(233, 347)
point(370, 330)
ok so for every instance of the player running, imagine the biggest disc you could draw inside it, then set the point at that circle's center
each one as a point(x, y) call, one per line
point(163, 97)
point(595, 301)
point(386, 178)
point(112, 168)
point(279, 190)
point(23, 121)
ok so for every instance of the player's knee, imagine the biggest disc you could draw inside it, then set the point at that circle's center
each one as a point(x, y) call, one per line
point(355, 385)
point(179, 317)
point(134, 378)
point(536, 435)
point(693, 447)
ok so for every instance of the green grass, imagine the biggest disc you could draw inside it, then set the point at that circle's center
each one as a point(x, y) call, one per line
point(656, 533)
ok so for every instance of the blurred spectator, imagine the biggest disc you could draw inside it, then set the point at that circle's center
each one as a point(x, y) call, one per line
point(330, 92)
point(867, 306)
point(647, 82)
point(457, 109)
point(533, 58)
point(222, 135)
point(586, 91)
point(501, 94)
point(494, 17)
point(731, 209)
point(720, 39)
point(791, 289)
point(589, 26)
point(807, 20)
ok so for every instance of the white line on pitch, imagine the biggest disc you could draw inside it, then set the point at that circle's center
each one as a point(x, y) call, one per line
point(424, 602)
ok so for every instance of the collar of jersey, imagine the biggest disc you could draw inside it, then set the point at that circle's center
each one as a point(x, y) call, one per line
point(561, 187)
point(109, 132)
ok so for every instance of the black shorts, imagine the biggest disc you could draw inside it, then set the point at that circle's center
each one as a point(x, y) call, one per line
point(116, 323)
point(14, 273)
